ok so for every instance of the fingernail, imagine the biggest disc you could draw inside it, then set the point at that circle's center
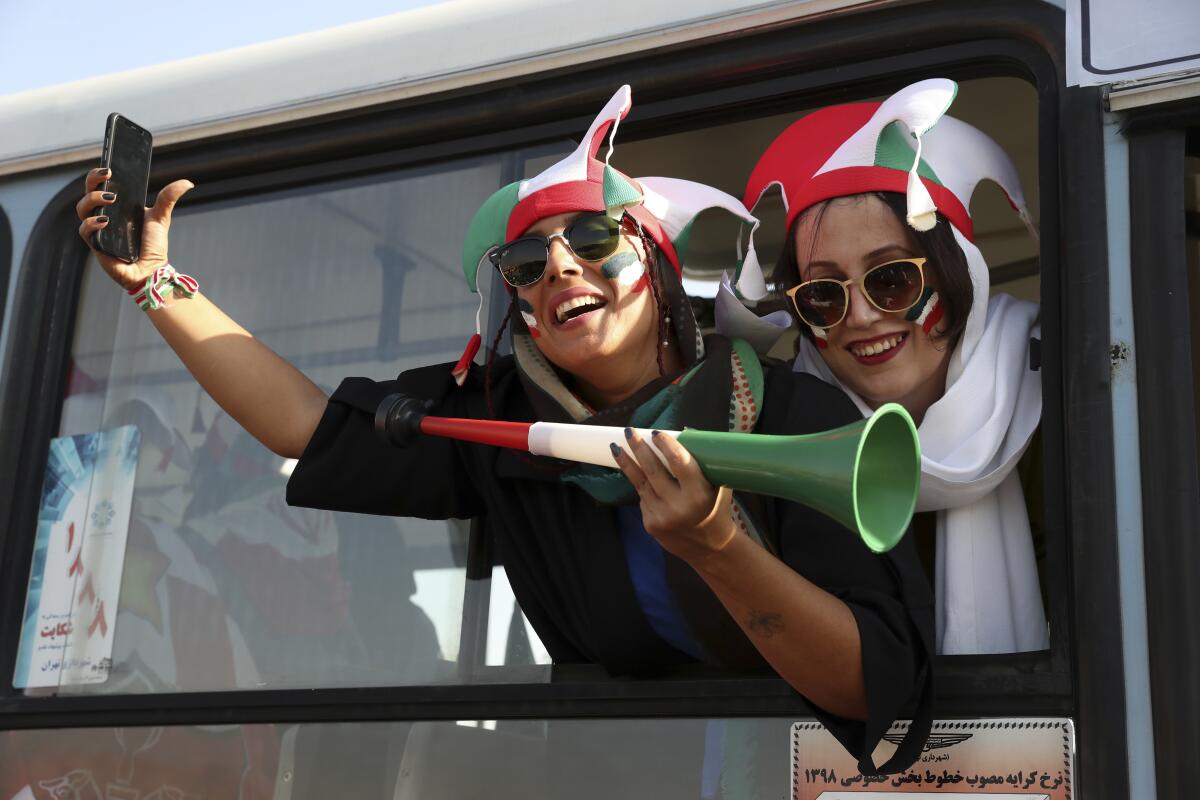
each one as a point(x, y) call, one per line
point(653, 434)
point(101, 220)
point(629, 433)
point(103, 171)
point(616, 451)
point(108, 196)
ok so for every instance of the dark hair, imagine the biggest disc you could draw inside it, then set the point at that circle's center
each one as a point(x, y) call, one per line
point(660, 301)
point(946, 261)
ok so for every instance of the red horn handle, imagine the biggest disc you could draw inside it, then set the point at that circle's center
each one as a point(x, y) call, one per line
point(514, 435)
point(399, 418)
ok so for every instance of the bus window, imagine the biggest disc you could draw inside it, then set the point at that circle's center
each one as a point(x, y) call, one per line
point(224, 586)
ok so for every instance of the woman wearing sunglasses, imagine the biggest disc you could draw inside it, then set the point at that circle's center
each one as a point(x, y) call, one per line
point(636, 570)
point(891, 297)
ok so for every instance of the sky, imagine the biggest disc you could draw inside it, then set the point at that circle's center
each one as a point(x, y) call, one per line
point(46, 42)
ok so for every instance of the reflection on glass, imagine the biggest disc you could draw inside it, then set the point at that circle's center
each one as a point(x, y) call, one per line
point(523, 760)
point(511, 639)
point(223, 585)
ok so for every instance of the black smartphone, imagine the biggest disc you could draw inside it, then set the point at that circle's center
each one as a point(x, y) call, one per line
point(127, 147)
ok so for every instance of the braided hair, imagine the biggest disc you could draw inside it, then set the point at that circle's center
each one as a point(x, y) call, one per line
point(653, 277)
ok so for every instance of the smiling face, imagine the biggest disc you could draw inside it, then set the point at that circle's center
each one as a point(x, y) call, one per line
point(881, 356)
point(595, 319)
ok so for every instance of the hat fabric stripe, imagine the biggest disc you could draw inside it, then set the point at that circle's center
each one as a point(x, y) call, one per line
point(861, 180)
point(894, 152)
point(561, 198)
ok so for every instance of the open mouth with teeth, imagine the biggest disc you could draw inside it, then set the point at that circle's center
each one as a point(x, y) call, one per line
point(877, 350)
point(577, 307)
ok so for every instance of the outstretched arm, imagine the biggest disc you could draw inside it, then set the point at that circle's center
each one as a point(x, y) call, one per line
point(275, 402)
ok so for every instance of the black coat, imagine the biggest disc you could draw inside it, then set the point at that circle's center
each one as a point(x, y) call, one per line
point(563, 553)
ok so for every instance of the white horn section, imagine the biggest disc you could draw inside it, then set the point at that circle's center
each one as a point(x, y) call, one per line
point(588, 444)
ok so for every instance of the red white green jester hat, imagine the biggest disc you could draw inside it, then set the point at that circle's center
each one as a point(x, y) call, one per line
point(664, 207)
point(904, 144)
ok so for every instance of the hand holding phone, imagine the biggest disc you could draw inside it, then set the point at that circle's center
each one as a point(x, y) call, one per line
point(127, 149)
point(128, 239)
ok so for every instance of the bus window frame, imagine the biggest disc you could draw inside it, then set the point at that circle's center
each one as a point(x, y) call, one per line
point(1159, 139)
point(754, 74)
point(6, 255)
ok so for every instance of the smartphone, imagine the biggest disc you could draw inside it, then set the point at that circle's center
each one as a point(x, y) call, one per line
point(127, 147)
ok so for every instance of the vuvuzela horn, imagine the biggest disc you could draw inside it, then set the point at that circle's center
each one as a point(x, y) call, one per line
point(865, 475)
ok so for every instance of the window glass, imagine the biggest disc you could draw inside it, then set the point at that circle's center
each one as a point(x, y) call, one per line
point(221, 584)
point(526, 759)
point(511, 639)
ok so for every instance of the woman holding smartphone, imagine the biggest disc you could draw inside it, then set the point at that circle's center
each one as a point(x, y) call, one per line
point(667, 569)
point(891, 297)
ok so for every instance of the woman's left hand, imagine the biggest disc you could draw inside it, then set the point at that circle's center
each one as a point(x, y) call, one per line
point(685, 513)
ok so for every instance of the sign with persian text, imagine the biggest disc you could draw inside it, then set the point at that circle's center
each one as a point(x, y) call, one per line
point(1000, 759)
point(78, 558)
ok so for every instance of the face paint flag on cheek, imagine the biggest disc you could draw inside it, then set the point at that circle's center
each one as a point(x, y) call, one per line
point(625, 268)
point(927, 312)
point(527, 315)
point(664, 208)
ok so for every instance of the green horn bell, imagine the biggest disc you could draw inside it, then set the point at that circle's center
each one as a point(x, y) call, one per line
point(865, 475)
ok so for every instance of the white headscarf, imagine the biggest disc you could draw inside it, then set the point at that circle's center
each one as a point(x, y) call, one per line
point(986, 581)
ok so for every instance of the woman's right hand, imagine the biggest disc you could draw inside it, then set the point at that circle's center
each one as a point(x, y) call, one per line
point(154, 229)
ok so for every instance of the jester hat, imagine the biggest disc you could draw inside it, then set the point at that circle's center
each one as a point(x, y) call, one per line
point(664, 207)
point(890, 146)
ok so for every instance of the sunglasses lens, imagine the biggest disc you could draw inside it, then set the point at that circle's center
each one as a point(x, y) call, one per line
point(594, 237)
point(821, 303)
point(591, 238)
point(894, 287)
point(522, 262)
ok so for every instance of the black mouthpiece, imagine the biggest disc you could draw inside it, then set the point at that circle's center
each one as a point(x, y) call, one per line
point(398, 419)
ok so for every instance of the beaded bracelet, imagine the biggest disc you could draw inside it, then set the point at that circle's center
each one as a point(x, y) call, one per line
point(149, 297)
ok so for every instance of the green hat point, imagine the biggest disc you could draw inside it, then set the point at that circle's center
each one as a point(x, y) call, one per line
point(488, 229)
point(619, 193)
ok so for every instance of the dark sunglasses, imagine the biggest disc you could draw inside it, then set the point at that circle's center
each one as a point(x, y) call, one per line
point(893, 287)
point(590, 237)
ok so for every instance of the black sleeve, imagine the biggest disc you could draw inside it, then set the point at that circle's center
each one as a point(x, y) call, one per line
point(888, 594)
point(347, 467)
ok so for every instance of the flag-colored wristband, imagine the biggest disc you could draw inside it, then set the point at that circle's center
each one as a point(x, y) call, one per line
point(149, 296)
